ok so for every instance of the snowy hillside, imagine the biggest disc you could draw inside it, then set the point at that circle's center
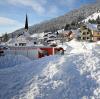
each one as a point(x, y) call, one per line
point(93, 16)
point(75, 75)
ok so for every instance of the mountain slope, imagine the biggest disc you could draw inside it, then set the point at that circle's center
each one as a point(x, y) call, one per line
point(94, 16)
point(60, 22)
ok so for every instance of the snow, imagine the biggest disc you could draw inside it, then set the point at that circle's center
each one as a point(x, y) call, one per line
point(34, 35)
point(75, 46)
point(20, 39)
point(11, 60)
point(93, 16)
point(92, 26)
point(74, 75)
point(38, 35)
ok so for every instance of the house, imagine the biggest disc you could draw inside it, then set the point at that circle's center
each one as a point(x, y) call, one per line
point(22, 41)
point(69, 35)
point(49, 39)
point(66, 35)
point(96, 36)
point(95, 28)
point(89, 32)
point(85, 33)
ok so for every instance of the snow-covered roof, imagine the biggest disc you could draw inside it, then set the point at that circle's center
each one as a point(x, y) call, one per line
point(38, 35)
point(20, 39)
point(92, 26)
point(34, 35)
point(11, 40)
point(50, 39)
point(52, 36)
point(60, 31)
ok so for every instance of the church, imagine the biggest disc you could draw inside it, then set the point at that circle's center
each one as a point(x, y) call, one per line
point(24, 39)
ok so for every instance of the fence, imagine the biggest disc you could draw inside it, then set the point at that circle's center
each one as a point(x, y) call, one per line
point(30, 52)
point(34, 52)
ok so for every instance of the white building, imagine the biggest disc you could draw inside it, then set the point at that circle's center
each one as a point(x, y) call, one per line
point(24, 39)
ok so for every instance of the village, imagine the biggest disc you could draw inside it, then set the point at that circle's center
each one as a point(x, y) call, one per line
point(50, 49)
point(47, 43)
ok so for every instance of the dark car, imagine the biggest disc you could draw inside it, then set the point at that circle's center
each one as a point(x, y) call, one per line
point(2, 48)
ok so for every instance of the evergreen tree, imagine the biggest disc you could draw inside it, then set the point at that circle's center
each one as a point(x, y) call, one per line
point(74, 25)
point(89, 20)
point(98, 20)
point(67, 27)
point(5, 37)
point(80, 18)
point(92, 21)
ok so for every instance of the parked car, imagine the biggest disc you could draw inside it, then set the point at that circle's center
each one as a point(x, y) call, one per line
point(2, 48)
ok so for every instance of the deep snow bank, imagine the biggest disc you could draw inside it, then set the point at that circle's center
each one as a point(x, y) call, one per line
point(75, 76)
point(79, 47)
point(76, 47)
point(12, 60)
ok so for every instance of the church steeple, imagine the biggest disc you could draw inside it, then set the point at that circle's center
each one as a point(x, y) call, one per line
point(26, 23)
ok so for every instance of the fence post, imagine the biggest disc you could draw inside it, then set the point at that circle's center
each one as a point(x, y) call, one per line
point(27, 52)
point(53, 51)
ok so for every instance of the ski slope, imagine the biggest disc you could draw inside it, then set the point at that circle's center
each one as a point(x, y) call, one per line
point(75, 75)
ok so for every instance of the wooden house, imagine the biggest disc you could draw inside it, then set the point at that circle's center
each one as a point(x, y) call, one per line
point(67, 35)
point(85, 33)
point(96, 36)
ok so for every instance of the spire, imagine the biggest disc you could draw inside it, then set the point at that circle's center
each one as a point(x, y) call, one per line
point(26, 23)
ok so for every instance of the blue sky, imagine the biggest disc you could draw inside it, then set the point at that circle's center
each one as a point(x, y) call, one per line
point(12, 12)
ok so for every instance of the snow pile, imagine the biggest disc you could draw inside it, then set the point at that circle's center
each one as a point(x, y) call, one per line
point(75, 47)
point(66, 47)
point(73, 76)
point(12, 60)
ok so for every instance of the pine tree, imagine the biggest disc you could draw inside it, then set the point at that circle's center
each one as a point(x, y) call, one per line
point(98, 20)
point(5, 37)
point(92, 21)
point(67, 27)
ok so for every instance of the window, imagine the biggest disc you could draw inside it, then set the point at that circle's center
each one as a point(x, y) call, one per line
point(84, 38)
point(35, 43)
point(22, 44)
point(84, 33)
point(87, 38)
point(15, 44)
point(98, 38)
point(87, 32)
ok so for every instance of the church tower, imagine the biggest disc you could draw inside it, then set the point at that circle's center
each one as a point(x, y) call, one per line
point(26, 29)
point(26, 23)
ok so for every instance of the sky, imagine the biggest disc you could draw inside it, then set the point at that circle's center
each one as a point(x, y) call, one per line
point(12, 12)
